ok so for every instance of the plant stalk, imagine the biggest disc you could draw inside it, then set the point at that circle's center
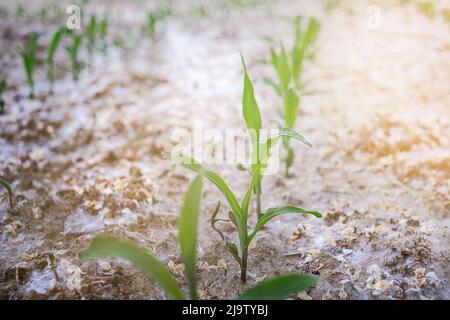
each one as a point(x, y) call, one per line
point(258, 201)
point(244, 265)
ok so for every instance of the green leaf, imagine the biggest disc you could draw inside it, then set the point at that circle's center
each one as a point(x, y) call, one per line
point(291, 102)
point(266, 148)
point(278, 211)
point(234, 251)
point(246, 201)
point(8, 188)
point(91, 29)
point(103, 26)
point(188, 225)
point(312, 31)
point(288, 132)
point(241, 167)
point(54, 45)
point(279, 288)
point(250, 107)
point(281, 65)
point(110, 246)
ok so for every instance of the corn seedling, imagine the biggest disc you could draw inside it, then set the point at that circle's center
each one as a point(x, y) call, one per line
point(3, 87)
point(8, 188)
point(289, 69)
point(51, 51)
point(261, 153)
point(91, 32)
point(30, 61)
point(153, 18)
point(73, 50)
point(111, 246)
point(103, 32)
point(20, 11)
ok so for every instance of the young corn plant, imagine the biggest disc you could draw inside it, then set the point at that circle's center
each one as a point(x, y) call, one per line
point(153, 18)
point(3, 87)
point(30, 60)
point(51, 51)
point(103, 32)
point(91, 34)
point(5, 184)
point(111, 246)
point(261, 153)
point(73, 50)
point(289, 70)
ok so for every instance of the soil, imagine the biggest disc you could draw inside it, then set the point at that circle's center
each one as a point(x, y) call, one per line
point(86, 159)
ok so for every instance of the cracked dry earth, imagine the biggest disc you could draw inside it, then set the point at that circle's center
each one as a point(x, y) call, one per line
point(86, 159)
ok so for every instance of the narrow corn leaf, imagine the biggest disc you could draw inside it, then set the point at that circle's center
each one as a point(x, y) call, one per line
point(278, 211)
point(213, 177)
point(103, 27)
point(188, 225)
point(290, 133)
point(279, 288)
point(91, 30)
point(32, 48)
point(8, 188)
point(193, 165)
point(234, 251)
point(250, 107)
point(312, 31)
point(110, 246)
point(54, 43)
point(266, 148)
point(291, 102)
point(281, 65)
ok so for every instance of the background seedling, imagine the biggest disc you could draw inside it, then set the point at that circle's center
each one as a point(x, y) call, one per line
point(110, 246)
point(289, 76)
point(5, 184)
point(103, 32)
point(3, 86)
point(73, 50)
point(153, 18)
point(91, 32)
point(30, 61)
point(51, 51)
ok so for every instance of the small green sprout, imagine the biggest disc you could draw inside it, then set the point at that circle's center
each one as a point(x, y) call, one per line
point(111, 246)
point(20, 11)
point(3, 87)
point(73, 50)
point(262, 151)
point(30, 60)
point(91, 32)
point(8, 188)
point(103, 32)
point(51, 51)
point(289, 70)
